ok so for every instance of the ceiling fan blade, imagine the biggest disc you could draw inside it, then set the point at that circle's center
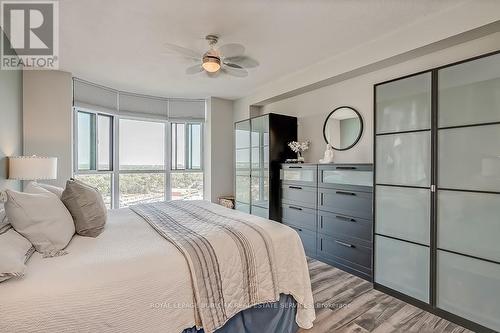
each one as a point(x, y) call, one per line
point(232, 65)
point(231, 50)
point(173, 49)
point(243, 61)
point(235, 71)
point(194, 69)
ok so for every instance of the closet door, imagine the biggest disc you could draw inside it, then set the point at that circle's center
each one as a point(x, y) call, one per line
point(403, 185)
point(468, 197)
point(242, 165)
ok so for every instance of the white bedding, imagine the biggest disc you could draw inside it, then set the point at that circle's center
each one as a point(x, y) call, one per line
point(129, 279)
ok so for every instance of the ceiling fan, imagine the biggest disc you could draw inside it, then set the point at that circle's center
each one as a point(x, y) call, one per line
point(228, 59)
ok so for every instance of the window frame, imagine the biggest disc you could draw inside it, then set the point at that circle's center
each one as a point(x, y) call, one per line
point(115, 149)
point(187, 147)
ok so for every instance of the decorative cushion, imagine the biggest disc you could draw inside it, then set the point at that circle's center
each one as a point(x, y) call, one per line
point(42, 218)
point(87, 207)
point(15, 250)
point(34, 187)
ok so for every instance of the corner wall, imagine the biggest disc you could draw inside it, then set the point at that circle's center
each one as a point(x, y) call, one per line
point(218, 150)
point(47, 118)
point(11, 123)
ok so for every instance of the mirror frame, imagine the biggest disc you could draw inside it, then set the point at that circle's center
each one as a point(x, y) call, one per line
point(361, 127)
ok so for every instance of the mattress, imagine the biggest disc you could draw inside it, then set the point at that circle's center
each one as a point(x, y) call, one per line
point(129, 279)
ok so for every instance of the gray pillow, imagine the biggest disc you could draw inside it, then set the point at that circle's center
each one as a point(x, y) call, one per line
point(87, 207)
point(15, 250)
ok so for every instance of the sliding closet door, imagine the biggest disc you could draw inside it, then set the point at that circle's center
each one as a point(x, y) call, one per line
point(468, 226)
point(403, 182)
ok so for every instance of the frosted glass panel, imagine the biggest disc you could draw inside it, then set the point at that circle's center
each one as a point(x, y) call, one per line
point(469, 158)
point(404, 159)
point(403, 213)
point(469, 93)
point(469, 288)
point(361, 178)
point(402, 266)
point(469, 223)
point(304, 175)
point(404, 105)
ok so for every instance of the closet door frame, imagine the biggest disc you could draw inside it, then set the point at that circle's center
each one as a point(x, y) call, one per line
point(432, 305)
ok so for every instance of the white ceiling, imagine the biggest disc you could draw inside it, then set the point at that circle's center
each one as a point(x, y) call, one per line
point(118, 43)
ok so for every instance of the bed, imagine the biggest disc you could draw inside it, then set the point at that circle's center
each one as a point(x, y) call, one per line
point(134, 278)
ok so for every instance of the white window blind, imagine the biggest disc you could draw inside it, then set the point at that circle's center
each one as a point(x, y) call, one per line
point(145, 106)
point(87, 95)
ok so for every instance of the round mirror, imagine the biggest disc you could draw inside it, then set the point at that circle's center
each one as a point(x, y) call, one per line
point(343, 128)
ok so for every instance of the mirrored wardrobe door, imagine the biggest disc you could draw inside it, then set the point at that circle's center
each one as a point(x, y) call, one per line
point(468, 197)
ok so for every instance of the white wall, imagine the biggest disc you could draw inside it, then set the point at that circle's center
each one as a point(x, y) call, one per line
point(312, 107)
point(11, 126)
point(47, 124)
point(218, 150)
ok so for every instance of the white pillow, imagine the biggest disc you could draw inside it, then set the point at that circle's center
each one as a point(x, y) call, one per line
point(4, 221)
point(34, 187)
point(41, 218)
point(15, 250)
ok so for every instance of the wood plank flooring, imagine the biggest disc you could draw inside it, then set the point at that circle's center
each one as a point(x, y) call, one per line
point(348, 304)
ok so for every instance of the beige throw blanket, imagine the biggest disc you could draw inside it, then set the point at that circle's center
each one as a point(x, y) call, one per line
point(231, 259)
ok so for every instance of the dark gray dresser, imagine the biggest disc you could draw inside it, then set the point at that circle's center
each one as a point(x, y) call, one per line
point(330, 207)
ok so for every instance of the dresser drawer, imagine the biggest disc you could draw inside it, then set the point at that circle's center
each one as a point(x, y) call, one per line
point(348, 227)
point(299, 174)
point(307, 237)
point(351, 203)
point(336, 248)
point(346, 176)
point(299, 195)
point(300, 217)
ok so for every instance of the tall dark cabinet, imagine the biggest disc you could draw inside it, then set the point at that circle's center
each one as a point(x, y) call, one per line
point(260, 147)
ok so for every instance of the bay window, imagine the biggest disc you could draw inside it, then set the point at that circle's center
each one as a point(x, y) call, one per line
point(133, 160)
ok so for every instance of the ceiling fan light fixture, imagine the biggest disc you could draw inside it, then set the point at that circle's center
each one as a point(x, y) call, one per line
point(211, 64)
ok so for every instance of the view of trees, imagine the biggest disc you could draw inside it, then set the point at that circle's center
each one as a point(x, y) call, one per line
point(147, 187)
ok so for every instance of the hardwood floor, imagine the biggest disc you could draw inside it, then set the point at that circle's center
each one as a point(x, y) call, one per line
point(348, 304)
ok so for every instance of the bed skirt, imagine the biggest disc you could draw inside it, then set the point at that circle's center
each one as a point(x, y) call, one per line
point(265, 318)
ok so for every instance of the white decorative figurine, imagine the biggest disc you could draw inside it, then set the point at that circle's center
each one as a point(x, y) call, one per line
point(328, 157)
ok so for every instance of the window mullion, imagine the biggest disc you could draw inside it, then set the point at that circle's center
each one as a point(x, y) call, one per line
point(168, 161)
point(96, 141)
point(115, 181)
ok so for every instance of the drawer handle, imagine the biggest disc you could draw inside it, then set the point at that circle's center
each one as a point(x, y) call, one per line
point(293, 207)
point(295, 187)
point(344, 244)
point(345, 168)
point(295, 167)
point(345, 193)
point(345, 218)
point(298, 229)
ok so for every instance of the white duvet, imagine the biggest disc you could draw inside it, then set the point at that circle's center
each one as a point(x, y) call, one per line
point(129, 279)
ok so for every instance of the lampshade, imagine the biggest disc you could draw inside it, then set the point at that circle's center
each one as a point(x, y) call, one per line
point(32, 168)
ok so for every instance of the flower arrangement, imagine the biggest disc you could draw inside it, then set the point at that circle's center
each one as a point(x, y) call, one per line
point(299, 148)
